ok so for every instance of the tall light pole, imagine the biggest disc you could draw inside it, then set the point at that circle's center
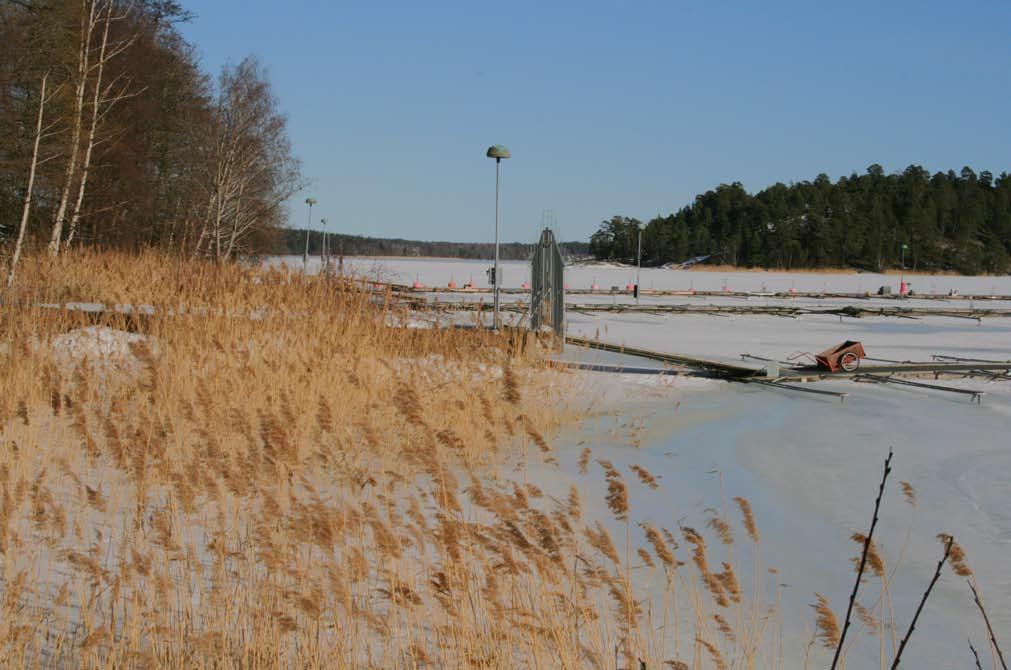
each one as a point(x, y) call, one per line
point(323, 251)
point(308, 222)
point(902, 272)
point(498, 152)
point(638, 267)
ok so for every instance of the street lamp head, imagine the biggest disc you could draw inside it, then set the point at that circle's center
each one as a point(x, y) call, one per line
point(498, 152)
point(310, 201)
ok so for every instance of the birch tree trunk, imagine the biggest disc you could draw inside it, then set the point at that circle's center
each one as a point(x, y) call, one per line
point(235, 225)
point(84, 54)
point(75, 219)
point(31, 185)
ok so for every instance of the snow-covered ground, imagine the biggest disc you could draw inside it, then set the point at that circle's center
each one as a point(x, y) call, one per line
point(808, 464)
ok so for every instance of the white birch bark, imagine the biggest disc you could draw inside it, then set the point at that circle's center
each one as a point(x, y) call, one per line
point(84, 54)
point(31, 185)
point(75, 219)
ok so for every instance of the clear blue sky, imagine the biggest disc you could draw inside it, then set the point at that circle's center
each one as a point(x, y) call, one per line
point(608, 107)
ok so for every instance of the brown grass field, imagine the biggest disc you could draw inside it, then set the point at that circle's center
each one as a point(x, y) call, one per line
point(270, 475)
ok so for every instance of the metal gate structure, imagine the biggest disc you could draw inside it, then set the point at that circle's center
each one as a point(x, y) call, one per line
point(547, 296)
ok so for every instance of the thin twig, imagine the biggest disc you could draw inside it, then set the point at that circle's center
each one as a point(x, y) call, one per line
point(975, 655)
point(923, 601)
point(989, 628)
point(863, 560)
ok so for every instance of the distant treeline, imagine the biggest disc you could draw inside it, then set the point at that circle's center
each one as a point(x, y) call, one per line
point(293, 242)
point(946, 221)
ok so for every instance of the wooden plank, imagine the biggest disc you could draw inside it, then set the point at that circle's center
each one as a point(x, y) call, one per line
point(976, 395)
point(621, 369)
point(800, 389)
point(722, 369)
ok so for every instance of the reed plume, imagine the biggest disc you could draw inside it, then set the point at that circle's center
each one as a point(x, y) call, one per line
point(825, 623)
point(956, 555)
point(645, 476)
point(749, 518)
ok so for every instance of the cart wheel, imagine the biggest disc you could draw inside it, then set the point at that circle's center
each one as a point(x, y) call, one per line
point(849, 362)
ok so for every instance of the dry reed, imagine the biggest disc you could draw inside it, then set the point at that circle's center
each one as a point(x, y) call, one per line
point(266, 473)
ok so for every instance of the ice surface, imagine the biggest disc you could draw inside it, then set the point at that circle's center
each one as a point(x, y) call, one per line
point(809, 465)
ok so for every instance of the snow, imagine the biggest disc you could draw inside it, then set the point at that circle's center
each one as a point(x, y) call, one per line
point(727, 337)
point(809, 465)
point(106, 350)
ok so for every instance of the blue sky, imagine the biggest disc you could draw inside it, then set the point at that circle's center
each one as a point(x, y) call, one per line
point(610, 108)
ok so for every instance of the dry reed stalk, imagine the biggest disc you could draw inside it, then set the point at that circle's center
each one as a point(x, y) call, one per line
point(573, 507)
point(749, 518)
point(617, 498)
point(714, 653)
point(923, 601)
point(909, 493)
point(866, 618)
point(722, 529)
point(266, 513)
point(957, 558)
point(874, 559)
point(863, 560)
point(660, 547)
point(826, 625)
point(986, 620)
point(178, 439)
point(975, 656)
point(645, 476)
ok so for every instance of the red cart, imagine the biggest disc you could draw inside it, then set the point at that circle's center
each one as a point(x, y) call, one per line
point(845, 356)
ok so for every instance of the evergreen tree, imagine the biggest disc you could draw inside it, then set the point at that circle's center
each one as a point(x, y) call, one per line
point(947, 221)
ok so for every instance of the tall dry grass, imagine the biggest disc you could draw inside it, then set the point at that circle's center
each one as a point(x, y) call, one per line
point(271, 472)
point(270, 476)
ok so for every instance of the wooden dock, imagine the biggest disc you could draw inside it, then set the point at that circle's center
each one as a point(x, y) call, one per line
point(715, 368)
point(787, 378)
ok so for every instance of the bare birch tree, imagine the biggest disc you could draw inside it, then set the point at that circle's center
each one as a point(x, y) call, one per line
point(40, 132)
point(88, 24)
point(31, 184)
point(103, 99)
point(250, 170)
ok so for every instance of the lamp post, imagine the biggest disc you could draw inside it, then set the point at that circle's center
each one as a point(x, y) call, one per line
point(638, 267)
point(308, 222)
point(498, 152)
point(902, 272)
point(323, 252)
